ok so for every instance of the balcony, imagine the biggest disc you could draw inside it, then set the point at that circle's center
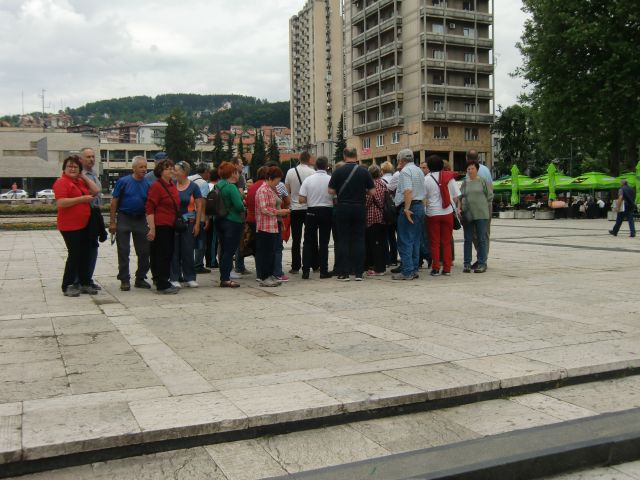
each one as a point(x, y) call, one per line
point(357, 17)
point(458, 65)
point(455, 14)
point(452, 91)
point(378, 124)
point(378, 77)
point(377, 29)
point(378, 5)
point(458, 40)
point(459, 117)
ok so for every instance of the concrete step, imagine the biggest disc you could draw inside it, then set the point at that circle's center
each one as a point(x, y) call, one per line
point(364, 434)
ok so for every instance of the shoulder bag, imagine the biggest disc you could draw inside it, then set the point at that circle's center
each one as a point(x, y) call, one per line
point(180, 225)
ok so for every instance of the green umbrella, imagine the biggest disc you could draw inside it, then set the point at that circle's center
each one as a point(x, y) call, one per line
point(551, 173)
point(541, 183)
point(594, 181)
point(515, 186)
point(638, 183)
point(504, 184)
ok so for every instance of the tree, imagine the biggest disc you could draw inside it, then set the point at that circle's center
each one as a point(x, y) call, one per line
point(581, 60)
point(274, 153)
point(218, 150)
point(341, 142)
point(228, 153)
point(240, 148)
point(179, 137)
point(259, 155)
point(518, 140)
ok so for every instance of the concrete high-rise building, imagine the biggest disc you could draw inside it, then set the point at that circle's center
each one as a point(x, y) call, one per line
point(316, 60)
point(419, 75)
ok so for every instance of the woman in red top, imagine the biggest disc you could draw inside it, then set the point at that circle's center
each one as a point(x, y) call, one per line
point(74, 193)
point(161, 208)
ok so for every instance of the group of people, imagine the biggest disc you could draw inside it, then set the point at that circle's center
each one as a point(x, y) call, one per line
point(374, 214)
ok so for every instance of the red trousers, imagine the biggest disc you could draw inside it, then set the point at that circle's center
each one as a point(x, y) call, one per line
point(440, 228)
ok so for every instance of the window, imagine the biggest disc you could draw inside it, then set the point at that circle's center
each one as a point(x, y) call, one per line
point(469, 82)
point(469, 32)
point(468, 6)
point(471, 134)
point(438, 78)
point(438, 54)
point(437, 28)
point(469, 57)
point(439, 3)
point(469, 107)
point(380, 141)
point(395, 137)
point(441, 133)
point(366, 142)
point(438, 106)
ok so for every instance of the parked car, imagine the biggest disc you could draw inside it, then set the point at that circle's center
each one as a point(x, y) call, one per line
point(10, 195)
point(46, 193)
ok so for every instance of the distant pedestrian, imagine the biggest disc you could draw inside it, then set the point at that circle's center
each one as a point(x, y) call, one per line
point(293, 181)
point(128, 219)
point(314, 193)
point(350, 183)
point(75, 192)
point(485, 173)
point(625, 206)
point(161, 210)
point(391, 255)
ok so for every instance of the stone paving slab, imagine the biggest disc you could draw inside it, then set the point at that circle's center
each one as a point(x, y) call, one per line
point(555, 303)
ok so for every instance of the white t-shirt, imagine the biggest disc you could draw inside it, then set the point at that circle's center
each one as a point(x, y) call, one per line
point(434, 202)
point(293, 184)
point(316, 189)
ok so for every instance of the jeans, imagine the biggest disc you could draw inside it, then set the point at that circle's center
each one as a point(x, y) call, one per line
point(211, 251)
point(161, 252)
point(78, 258)
point(440, 234)
point(409, 235)
point(229, 239)
point(200, 248)
point(488, 234)
point(240, 268)
point(182, 261)
point(128, 226)
point(297, 221)
point(375, 241)
point(621, 217)
point(266, 247)
point(475, 229)
point(317, 232)
point(351, 221)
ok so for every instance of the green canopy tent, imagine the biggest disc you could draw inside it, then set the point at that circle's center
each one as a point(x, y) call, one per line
point(504, 184)
point(541, 183)
point(592, 181)
point(629, 177)
point(638, 183)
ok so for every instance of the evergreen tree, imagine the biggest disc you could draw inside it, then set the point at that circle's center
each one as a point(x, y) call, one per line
point(179, 137)
point(240, 148)
point(228, 153)
point(218, 150)
point(274, 152)
point(341, 142)
point(259, 155)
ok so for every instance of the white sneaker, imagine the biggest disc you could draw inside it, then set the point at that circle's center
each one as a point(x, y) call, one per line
point(268, 282)
point(235, 275)
point(176, 284)
point(273, 278)
point(192, 284)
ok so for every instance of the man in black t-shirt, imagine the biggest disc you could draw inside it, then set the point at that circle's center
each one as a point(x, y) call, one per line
point(351, 184)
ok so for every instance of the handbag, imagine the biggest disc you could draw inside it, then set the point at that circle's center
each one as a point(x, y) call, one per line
point(181, 225)
point(247, 241)
point(457, 223)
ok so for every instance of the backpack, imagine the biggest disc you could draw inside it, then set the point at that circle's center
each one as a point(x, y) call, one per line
point(215, 203)
point(389, 210)
point(443, 185)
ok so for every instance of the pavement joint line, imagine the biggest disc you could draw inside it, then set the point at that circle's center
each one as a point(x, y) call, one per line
point(579, 247)
point(179, 437)
point(601, 440)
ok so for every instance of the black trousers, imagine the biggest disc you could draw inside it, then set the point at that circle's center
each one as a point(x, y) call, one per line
point(317, 232)
point(391, 245)
point(161, 250)
point(266, 245)
point(297, 221)
point(78, 258)
point(351, 220)
point(375, 240)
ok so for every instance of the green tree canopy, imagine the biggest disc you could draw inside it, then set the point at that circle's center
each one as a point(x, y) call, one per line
point(259, 155)
point(273, 153)
point(582, 61)
point(341, 142)
point(228, 153)
point(218, 150)
point(180, 138)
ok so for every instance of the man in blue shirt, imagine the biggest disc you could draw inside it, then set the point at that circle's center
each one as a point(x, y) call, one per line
point(129, 198)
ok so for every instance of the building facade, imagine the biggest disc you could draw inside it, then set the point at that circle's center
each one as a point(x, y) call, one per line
point(419, 75)
point(152, 133)
point(316, 62)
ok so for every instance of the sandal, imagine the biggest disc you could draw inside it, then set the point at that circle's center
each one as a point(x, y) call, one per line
point(229, 284)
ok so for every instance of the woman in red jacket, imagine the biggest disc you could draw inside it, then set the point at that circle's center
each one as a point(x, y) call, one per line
point(161, 209)
point(74, 193)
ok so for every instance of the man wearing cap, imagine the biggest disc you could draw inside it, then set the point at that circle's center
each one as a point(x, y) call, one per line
point(201, 179)
point(409, 199)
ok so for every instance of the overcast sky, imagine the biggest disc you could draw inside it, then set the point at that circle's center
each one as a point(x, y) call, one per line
point(85, 50)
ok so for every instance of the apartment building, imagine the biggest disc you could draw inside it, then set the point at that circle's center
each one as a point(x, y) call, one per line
point(419, 75)
point(316, 59)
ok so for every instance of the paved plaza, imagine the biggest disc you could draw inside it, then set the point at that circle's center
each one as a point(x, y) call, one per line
point(121, 368)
